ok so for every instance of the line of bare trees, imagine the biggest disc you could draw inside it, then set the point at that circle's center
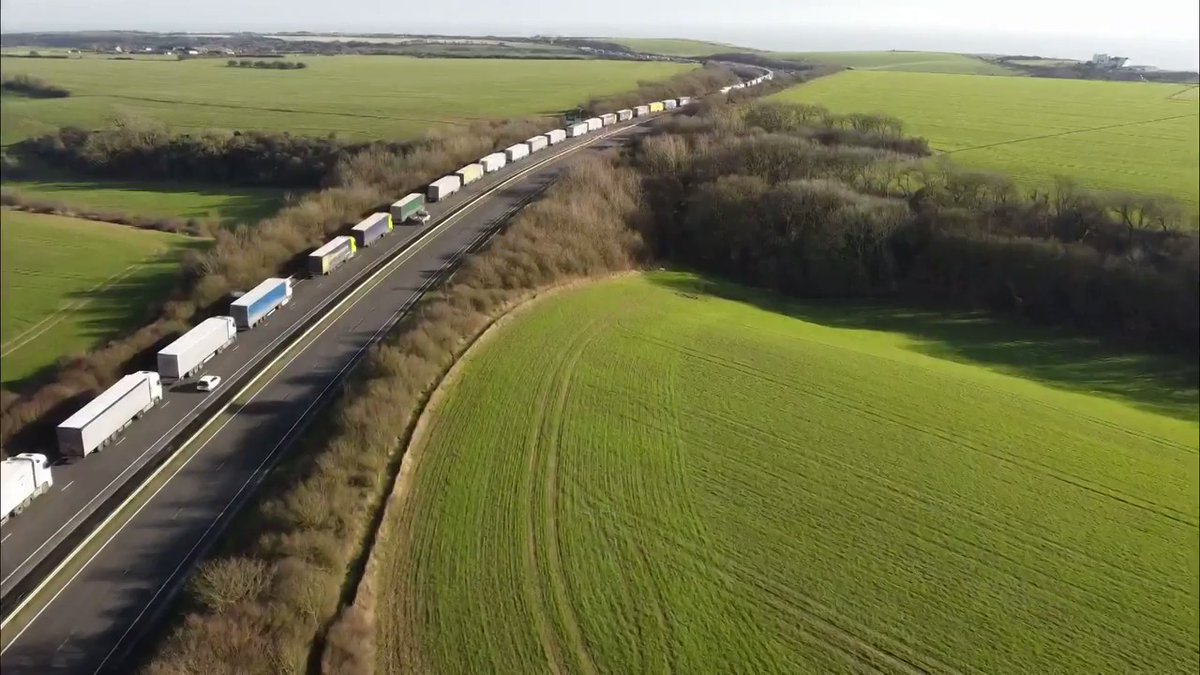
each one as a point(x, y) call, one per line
point(142, 150)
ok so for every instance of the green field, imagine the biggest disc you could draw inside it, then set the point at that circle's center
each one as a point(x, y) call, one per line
point(69, 283)
point(228, 205)
point(357, 97)
point(920, 62)
point(1137, 137)
point(641, 477)
point(676, 47)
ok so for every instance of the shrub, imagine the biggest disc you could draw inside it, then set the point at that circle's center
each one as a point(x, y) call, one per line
point(32, 87)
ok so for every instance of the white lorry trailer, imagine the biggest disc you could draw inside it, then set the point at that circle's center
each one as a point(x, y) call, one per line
point(493, 162)
point(537, 143)
point(555, 136)
point(444, 187)
point(97, 423)
point(184, 357)
point(22, 479)
point(514, 152)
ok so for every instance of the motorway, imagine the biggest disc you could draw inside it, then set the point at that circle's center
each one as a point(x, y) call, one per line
point(95, 607)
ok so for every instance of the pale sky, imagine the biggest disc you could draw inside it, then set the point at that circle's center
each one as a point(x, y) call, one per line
point(1159, 32)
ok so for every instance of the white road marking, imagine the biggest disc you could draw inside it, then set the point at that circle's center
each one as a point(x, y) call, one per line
point(5, 538)
point(165, 404)
point(64, 488)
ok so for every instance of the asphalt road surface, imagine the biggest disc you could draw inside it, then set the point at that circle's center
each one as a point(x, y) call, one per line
point(90, 623)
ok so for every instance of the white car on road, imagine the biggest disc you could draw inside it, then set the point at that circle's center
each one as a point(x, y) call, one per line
point(208, 383)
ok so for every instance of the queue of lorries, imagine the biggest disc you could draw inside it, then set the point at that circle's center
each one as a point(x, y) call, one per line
point(97, 424)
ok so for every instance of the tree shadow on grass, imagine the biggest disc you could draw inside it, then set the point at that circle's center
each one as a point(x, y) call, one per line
point(116, 309)
point(1162, 384)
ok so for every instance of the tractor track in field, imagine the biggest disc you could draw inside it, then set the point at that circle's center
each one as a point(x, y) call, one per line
point(543, 447)
point(57, 316)
point(1174, 98)
point(1071, 132)
point(401, 500)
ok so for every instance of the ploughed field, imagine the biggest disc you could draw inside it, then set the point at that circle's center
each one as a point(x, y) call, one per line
point(642, 476)
point(356, 97)
point(1130, 136)
point(69, 284)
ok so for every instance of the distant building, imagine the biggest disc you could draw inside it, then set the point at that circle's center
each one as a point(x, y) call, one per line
point(1108, 62)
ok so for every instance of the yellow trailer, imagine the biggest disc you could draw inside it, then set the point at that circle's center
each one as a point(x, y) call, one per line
point(657, 106)
point(337, 251)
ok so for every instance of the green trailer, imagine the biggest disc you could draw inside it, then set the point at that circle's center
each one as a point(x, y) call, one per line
point(412, 207)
